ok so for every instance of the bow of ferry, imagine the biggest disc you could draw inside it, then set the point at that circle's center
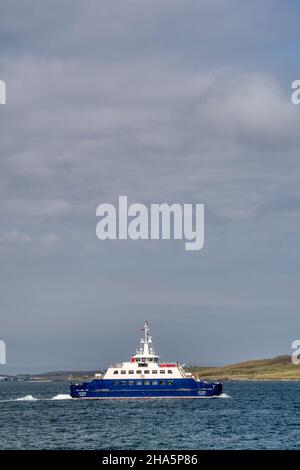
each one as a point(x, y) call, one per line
point(144, 376)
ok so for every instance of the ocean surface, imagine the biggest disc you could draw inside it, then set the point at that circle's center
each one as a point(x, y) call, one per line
point(249, 415)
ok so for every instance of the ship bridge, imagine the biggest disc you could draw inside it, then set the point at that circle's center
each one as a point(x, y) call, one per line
point(145, 363)
point(145, 353)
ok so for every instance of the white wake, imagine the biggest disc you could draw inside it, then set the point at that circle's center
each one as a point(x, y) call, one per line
point(224, 395)
point(65, 396)
point(27, 398)
point(62, 396)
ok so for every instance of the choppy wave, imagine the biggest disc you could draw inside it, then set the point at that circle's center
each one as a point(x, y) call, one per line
point(52, 424)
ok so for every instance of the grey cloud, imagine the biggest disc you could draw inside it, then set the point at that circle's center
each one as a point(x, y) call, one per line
point(253, 109)
point(163, 101)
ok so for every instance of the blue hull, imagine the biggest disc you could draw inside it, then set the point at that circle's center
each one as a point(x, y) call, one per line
point(177, 388)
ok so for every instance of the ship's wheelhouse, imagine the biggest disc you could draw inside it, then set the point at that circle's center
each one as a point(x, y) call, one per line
point(144, 364)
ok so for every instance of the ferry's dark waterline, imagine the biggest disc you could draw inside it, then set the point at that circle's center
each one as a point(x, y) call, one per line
point(258, 415)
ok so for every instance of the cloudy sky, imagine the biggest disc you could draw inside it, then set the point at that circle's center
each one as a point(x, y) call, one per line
point(164, 101)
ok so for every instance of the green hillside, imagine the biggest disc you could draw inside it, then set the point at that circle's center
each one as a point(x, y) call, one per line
point(277, 368)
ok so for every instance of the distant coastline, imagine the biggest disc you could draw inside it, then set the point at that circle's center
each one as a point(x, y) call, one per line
point(279, 368)
point(276, 368)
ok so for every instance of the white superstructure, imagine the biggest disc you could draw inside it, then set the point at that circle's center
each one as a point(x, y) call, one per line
point(145, 364)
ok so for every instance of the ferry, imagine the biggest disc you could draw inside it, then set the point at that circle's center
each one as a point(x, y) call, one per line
point(144, 376)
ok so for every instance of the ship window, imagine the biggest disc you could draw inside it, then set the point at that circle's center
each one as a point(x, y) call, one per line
point(170, 372)
point(131, 382)
point(146, 382)
point(143, 365)
point(170, 382)
point(131, 372)
point(154, 382)
point(161, 382)
point(146, 371)
point(139, 382)
point(138, 371)
point(123, 372)
point(162, 371)
point(150, 359)
point(123, 382)
point(116, 382)
point(154, 372)
point(116, 372)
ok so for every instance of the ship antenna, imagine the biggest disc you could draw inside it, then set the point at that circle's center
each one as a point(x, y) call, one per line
point(146, 346)
point(146, 331)
point(146, 341)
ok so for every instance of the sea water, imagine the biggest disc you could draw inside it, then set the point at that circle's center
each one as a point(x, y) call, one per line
point(249, 415)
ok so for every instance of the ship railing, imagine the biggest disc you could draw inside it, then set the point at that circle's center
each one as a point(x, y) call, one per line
point(194, 376)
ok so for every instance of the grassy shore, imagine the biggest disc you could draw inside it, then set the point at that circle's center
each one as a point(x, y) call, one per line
point(277, 368)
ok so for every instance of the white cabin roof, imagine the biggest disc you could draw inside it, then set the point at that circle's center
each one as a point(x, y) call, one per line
point(145, 363)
